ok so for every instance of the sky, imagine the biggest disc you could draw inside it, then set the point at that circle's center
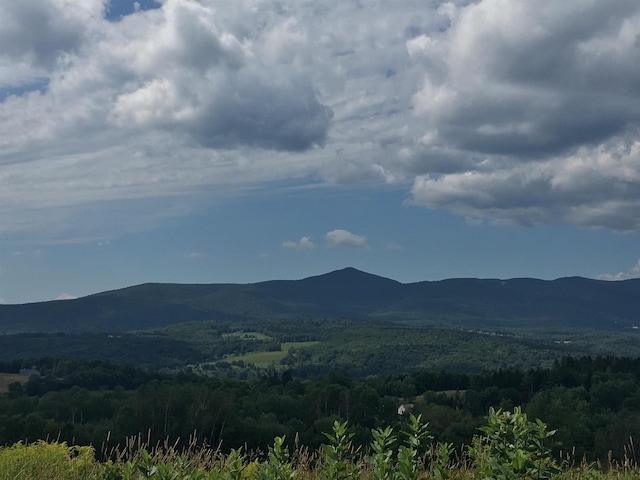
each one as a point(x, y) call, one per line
point(209, 141)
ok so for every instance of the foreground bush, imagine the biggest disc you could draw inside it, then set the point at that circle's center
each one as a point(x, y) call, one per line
point(512, 447)
point(50, 461)
point(508, 447)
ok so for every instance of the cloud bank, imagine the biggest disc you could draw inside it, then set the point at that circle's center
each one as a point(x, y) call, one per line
point(520, 112)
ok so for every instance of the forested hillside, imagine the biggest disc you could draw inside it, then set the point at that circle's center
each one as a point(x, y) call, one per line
point(567, 303)
point(248, 349)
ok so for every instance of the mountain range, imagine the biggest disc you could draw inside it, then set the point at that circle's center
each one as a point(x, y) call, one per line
point(565, 303)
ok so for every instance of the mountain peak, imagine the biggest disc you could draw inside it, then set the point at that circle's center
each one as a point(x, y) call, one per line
point(351, 274)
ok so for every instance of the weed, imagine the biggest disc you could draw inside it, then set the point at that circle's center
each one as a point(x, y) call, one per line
point(337, 455)
point(512, 447)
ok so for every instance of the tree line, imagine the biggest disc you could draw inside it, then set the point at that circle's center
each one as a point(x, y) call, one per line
point(594, 402)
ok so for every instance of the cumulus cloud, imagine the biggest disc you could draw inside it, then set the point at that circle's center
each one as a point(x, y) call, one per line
point(304, 243)
point(203, 79)
point(633, 272)
point(344, 238)
point(40, 33)
point(517, 95)
point(523, 112)
point(516, 75)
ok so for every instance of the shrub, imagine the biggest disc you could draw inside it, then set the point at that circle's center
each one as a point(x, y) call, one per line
point(512, 448)
point(42, 460)
point(407, 464)
point(278, 466)
point(338, 456)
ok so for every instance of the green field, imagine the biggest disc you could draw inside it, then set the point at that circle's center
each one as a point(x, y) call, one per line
point(266, 359)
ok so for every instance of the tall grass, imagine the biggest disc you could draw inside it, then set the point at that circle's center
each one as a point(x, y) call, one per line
point(50, 461)
point(509, 447)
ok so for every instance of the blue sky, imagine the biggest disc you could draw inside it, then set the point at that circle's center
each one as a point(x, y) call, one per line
point(207, 141)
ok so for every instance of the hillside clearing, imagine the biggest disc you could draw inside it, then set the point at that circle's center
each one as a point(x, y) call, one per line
point(266, 359)
point(7, 379)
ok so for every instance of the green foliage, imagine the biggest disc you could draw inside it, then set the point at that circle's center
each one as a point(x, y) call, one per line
point(594, 403)
point(381, 458)
point(147, 466)
point(441, 460)
point(509, 447)
point(234, 465)
point(513, 448)
point(407, 463)
point(279, 465)
point(337, 455)
point(42, 460)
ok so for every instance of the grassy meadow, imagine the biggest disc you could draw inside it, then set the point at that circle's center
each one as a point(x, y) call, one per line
point(267, 359)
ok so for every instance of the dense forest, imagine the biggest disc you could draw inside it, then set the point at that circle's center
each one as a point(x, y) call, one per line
point(594, 402)
point(248, 348)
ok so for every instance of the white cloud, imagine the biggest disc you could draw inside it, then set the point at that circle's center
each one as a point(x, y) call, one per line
point(195, 255)
point(344, 238)
point(633, 272)
point(521, 112)
point(65, 296)
point(304, 243)
point(35, 254)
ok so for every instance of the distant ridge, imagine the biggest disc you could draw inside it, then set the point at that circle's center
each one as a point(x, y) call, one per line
point(462, 303)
